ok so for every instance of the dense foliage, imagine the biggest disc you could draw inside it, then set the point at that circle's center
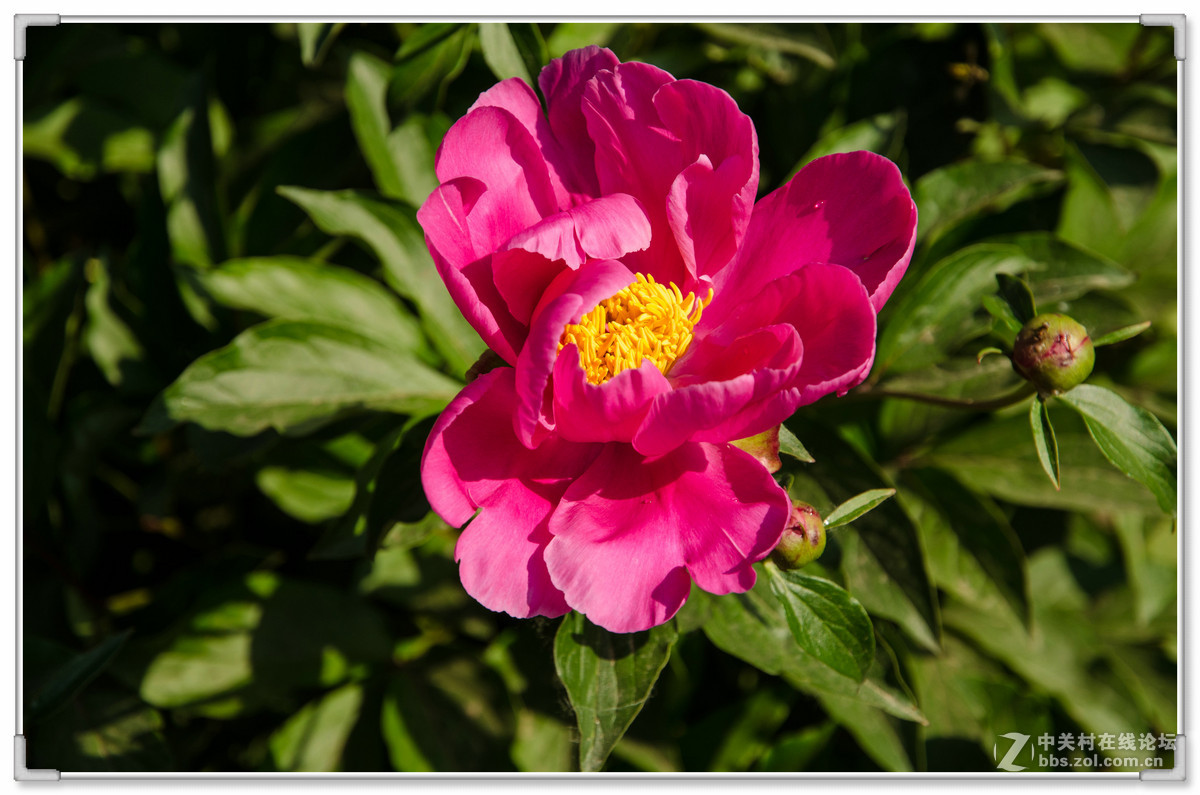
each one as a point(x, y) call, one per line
point(235, 344)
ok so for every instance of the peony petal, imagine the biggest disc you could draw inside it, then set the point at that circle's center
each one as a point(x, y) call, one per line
point(847, 209)
point(562, 82)
point(747, 375)
point(608, 412)
point(566, 300)
point(490, 145)
point(606, 228)
point(468, 279)
point(636, 155)
point(628, 532)
point(521, 279)
point(472, 461)
point(712, 199)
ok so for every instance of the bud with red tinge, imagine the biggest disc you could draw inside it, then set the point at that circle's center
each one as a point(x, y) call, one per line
point(1054, 352)
point(803, 540)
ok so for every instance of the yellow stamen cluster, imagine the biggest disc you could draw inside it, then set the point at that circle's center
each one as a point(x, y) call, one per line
point(646, 320)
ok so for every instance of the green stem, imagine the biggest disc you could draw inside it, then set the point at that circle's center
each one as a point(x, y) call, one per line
point(973, 404)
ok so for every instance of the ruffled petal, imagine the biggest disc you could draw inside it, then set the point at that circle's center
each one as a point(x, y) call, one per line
point(847, 209)
point(606, 228)
point(522, 278)
point(631, 533)
point(711, 201)
point(468, 278)
point(608, 412)
point(473, 462)
point(562, 82)
point(490, 145)
point(565, 301)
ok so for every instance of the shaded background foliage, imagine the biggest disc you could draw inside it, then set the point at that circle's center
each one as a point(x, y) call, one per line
point(234, 343)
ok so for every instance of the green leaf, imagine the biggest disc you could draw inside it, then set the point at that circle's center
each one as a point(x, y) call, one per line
point(83, 138)
point(608, 677)
point(887, 534)
point(501, 53)
point(826, 622)
point(753, 627)
point(109, 340)
point(1131, 438)
point(70, 679)
point(413, 146)
point(996, 458)
point(431, 58)
point(187, 180)
point(856, 506)
point(938, 313)
point(1121, 334)
point(1064, 271)
point(366, 98)
point(963, 522)
point(295, 376)
point(568, 36)
point(873, 730)
point(315, 40)
point(308, 495)
point(1043, 440)
point(1015, 293)
point(951, 194)
point(878, 134)
point(293, 288)
point(392, 234)
point(789, 444)
point(313, 739)
point(542, 744)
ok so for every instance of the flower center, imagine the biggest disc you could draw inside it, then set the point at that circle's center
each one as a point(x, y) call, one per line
point(646, 320)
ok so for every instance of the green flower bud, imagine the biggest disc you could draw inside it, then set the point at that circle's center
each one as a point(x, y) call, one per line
point(1054, 353)
point(803, 540)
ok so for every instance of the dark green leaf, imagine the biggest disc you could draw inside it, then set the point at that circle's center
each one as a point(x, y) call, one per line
point(1120, 335)
point(608, 678)
point(313, 739)
point(791, 39)
point(347, 537)
point(315, 40)
point(83, 137)
point(887, 533)
point(753, 627)
point(412, 146)
point(392, 233)
point(187, 180)
point(294, 376)
point(1043, 440)
point(432, 58)
point(1064, 271)
point(291, 288)
point(109, 340)
point(937, 314)
point(1015, 293)
point(964, 190)
point(995, 457)
point(856, 506)
point(1131, 438)
point(826, 622)
point(877, 134)
point(66, 682)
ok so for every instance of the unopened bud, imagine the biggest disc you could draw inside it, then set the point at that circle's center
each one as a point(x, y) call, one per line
point(1054, 353)
point(803, 540)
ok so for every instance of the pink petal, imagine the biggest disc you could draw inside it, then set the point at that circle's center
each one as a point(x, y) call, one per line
point(608, 412)
point(562, 82)
point(522, 278)
point(848, 209)
point(469, 279)
point(635, 154)
point(606, 228)
point(712, 199)
point(515, 96)
point(472, 461)
point(748, 375)
point(490, 145)
point(565, 301)
point(630, 534)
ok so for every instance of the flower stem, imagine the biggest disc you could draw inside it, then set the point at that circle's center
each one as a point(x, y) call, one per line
point(973, 404)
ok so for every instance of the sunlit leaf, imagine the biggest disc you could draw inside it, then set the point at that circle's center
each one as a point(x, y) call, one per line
point(826, 622)
point(1043, 440)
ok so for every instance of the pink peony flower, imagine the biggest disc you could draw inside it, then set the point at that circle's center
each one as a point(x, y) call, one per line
point(610, 251)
